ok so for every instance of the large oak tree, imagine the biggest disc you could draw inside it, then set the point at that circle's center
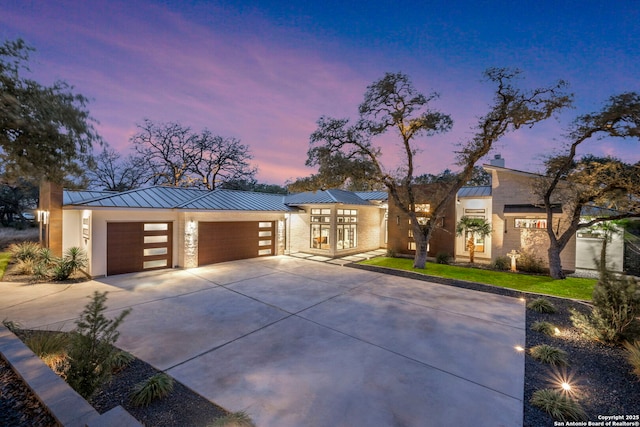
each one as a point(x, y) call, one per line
point(392, 104)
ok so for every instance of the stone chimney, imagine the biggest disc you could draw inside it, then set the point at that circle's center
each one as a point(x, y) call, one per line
point(497, 161)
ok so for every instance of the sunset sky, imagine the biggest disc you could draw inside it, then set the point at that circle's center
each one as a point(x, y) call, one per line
point(265, 71)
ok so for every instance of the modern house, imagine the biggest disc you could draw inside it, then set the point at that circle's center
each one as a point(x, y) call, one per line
point(165, 227)
point(518, 223)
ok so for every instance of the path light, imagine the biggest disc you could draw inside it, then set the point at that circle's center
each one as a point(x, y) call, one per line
point(564, 381)
point(519, 348)
point(557, 331)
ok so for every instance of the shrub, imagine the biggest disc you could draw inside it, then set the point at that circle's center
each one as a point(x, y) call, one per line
point(121, 360)
point(45, 257)
point(560, 406)
point(44, 343)
point(25, 250)
point(542, 305)
point(529, 263)
point(443, 258)
point(10, 325)
point(40, 271)
point(391, 253)
point(633, 356)
point(61, 270)
point(234, 419)
point(616, 301)
point(155, 387)
point(25, 266)
point(91, 349)
point(544, 327)
point(74, 259)
point(548, 354)
point(502, 263)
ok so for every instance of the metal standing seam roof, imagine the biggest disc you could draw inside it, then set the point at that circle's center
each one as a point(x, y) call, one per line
point(152, 197)
point(239, 201)
point(71, 197)
point(325, 197)
point(373, 195)
point(479, 191)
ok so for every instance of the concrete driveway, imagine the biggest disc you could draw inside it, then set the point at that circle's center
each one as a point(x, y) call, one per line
point(302, 343)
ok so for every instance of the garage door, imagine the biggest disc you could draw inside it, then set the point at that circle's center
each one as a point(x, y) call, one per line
point(229, 241)
point(138, 246)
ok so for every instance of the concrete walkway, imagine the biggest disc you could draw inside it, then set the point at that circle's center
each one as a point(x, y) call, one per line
point(301, 343)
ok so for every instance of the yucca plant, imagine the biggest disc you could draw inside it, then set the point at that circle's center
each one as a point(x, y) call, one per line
point(632, 354)
point(542, 305)
point(549, 354)
point(559, 405)
point(234, 419)
point(155, 387)
point(544, 327)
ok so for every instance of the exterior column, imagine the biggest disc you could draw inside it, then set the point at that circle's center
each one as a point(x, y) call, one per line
point(51, 207)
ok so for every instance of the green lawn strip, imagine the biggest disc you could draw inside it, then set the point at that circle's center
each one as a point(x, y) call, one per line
point(572, 287)
point(5, 257)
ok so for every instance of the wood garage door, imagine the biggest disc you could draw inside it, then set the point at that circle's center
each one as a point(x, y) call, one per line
point(138, 246)
point(229, 241)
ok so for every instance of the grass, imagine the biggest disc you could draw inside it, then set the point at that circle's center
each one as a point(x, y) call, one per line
point(234, 419)
point(632, 354)
point(571, 287)
point(5, 257)
point(153, 388)
point(560, 406)
point(548, 354)
point(542, 305)
point(545, 328)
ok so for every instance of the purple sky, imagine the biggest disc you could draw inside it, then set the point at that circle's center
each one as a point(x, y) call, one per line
point(265, 71)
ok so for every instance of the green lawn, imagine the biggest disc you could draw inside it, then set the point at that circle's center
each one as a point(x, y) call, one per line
point(4, 261)
point(568, 288)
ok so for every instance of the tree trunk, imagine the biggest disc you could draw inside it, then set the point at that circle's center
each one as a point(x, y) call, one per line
point(555, 265)
point(421, 239)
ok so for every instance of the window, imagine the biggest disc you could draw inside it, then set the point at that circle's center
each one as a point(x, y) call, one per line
point(320, 236)
point(156, 239)
point(346, 228)
point(530, 223)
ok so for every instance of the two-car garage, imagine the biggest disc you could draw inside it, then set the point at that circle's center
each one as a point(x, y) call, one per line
point(141, 246)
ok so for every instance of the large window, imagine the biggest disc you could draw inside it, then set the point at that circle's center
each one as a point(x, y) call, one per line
point(347, 220)
point(530, 223)
point(320, 228)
